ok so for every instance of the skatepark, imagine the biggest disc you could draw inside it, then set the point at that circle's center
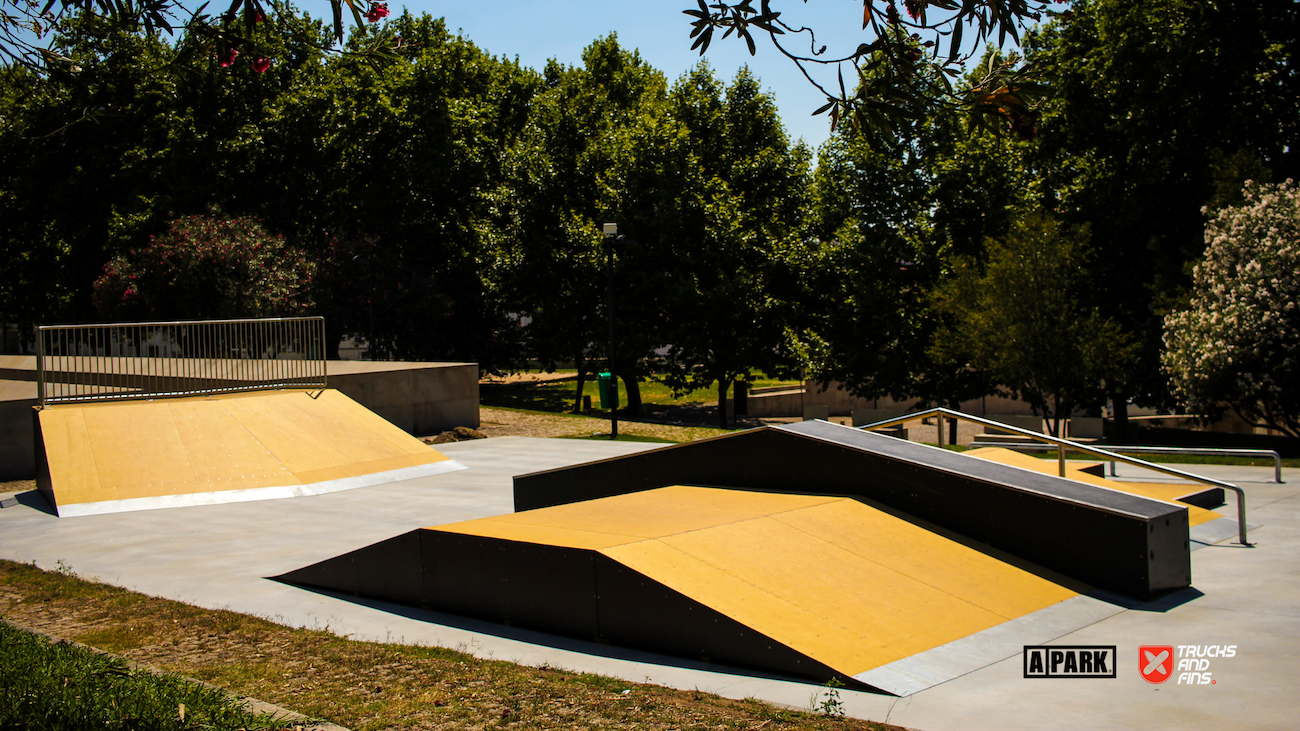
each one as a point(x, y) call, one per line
point(793, 551)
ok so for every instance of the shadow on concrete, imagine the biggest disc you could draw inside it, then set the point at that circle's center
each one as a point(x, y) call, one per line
point(35, 501)
point(543, 639)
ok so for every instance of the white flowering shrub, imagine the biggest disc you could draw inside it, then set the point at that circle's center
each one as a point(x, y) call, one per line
point(1238, 345)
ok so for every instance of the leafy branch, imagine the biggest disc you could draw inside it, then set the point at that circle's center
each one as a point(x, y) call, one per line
point(907, 68)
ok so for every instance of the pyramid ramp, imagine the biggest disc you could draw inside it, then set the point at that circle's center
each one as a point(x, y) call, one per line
point(137, 455)
point(815, 586)
point(1114, 540)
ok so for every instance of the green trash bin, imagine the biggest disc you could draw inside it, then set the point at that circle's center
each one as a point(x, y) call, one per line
point(608, 392)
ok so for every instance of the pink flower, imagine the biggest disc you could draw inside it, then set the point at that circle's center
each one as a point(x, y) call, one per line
point(230, 57)
point(261, 64)
point(377, 12)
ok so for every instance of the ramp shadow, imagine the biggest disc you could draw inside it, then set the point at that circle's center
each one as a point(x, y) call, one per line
point(34, 500)
point(569, 644)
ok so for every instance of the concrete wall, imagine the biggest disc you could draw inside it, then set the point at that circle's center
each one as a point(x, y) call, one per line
point(791, 402)
point(17, 450)
point(420, 398)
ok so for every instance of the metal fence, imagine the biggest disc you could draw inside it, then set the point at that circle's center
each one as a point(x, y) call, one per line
point(159, 359)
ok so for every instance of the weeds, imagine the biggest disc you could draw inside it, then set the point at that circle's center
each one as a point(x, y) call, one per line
point(59, 685)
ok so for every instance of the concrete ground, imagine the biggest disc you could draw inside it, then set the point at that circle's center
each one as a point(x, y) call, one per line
point(219, 556)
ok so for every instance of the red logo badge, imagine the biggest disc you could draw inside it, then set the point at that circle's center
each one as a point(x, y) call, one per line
point(1156, 662)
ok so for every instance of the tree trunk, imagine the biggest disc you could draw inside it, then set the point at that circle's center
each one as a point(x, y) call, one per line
point(632, 387)
point(952, 425)
point(581, 365)
point(723, 385)
point(1119, 432)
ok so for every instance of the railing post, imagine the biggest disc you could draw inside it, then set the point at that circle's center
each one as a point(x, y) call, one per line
point(40, 368)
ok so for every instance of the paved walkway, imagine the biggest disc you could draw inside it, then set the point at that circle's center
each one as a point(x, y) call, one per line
point(218, 556)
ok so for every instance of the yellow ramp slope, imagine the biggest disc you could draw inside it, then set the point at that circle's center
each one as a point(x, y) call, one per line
point(1154, 490)
point(137, 455)
point(845, 584)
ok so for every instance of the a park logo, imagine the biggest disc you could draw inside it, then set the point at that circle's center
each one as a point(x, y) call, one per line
point(1156, 662)
point(1069, 661)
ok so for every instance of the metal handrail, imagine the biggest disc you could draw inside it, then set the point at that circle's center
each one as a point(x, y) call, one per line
point(107, 362)
point(1196, 451)
point(1063, 444)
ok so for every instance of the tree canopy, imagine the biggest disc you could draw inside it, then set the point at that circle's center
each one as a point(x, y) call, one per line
point(1237, 344)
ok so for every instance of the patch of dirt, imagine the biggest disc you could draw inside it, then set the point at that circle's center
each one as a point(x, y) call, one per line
point(510, 423)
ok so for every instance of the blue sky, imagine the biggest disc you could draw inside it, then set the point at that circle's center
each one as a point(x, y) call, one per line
point(536, 31)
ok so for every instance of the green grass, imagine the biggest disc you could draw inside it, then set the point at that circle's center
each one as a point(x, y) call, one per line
point(363, 686)
point(47, 685)
point(558, 396)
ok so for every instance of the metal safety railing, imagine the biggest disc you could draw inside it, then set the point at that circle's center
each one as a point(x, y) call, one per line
point(1063, 444)
point(142, 360)
point(1193, 451)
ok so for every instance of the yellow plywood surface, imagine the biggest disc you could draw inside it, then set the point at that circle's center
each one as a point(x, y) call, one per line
point(309, 434)
point(839, 581)
point(65, 437)
point(140, 449)
point(1157, 491)
point(639, 515)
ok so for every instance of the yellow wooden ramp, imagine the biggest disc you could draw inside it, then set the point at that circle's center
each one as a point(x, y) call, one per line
point(844, 585)
point(1168, 492)
point(137, 455)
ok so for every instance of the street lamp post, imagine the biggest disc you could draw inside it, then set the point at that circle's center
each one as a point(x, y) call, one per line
point(611, 232)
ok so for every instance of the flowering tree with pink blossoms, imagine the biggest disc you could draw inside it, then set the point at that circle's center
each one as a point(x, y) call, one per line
point(1237, 346)
point(206, 267)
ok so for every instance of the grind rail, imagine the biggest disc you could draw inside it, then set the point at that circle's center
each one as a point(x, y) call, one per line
point(144, 360)
point(1193, 451)
point(1062, 445)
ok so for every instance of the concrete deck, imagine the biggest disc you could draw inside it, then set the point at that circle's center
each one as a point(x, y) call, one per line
point(218, 556)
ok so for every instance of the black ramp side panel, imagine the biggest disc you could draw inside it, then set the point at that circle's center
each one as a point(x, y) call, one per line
point(389, 570)
point(637, 611)
point(547, 588)
point(1099, 536)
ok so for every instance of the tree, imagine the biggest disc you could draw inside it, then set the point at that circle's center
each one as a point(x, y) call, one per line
point(891, 216)
point(549, 254)
point(29, 30)
point(713, 199)
point(206, 267)
point(903, 56)
point(1025, 318)
point(1237, 345)
point(1157, 108)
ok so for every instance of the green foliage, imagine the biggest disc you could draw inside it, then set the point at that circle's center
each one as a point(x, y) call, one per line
point(1026, 318)
point(831, 705)
point(206, 267)
point(712, 200)
point(1237, 345)
point(904, 67)
point(545, 216)
point(1161, 107)
point(45, 685)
